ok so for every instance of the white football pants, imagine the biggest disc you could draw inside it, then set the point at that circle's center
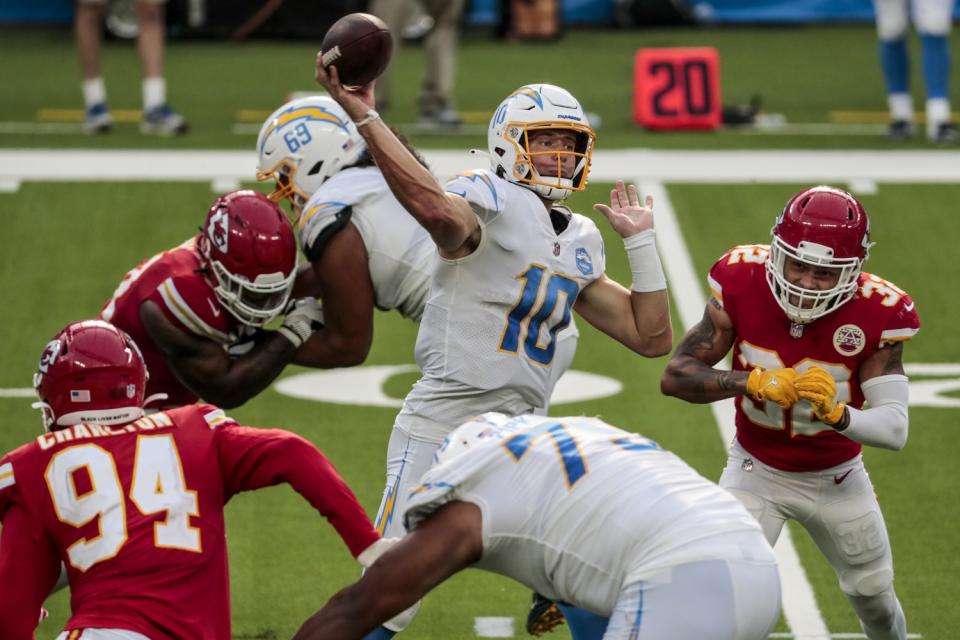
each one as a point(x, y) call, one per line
point(839, 510)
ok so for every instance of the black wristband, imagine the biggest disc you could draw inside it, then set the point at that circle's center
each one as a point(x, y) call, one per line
point(843, 422)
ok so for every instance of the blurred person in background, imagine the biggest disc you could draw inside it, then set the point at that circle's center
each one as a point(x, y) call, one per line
point(158, 117)
point(933, 20)
point(435, 103)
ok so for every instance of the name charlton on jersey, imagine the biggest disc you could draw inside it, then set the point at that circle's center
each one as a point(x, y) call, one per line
point(93, 430)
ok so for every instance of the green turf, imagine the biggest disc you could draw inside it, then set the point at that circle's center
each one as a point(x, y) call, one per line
point(285, 561)
point(69, 244)
point(801, 72)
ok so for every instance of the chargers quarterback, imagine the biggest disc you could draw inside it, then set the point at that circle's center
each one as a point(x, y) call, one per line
point(513, 264)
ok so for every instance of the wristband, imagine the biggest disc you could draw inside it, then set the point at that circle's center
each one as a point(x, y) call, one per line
point(644, 262)
point(297, 334)
point(371, 116)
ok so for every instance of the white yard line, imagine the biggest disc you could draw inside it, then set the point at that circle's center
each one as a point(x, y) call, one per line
point(799, 604)
point(697, 167)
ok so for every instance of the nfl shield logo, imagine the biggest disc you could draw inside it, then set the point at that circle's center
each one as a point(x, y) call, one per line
point(584, 263)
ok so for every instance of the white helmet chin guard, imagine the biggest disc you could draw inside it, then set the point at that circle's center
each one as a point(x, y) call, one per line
point(302, 144)
point(484, 428)
point(539, 107)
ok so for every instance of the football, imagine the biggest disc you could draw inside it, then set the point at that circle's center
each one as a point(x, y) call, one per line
point(359, 45)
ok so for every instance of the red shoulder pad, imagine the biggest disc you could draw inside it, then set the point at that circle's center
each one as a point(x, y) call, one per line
point(901, 321)
point(189, 301)
point(736, 269)
point(9, 465)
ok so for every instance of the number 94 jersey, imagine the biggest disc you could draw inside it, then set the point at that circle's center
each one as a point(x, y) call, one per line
point(488, 334)
point(879, 314)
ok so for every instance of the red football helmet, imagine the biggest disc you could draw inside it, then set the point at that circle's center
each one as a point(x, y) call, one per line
point(251, 252)
point(824, 227)
point(90, 372)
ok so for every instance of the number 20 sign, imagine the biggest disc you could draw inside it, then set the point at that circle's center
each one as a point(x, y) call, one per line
point(677, 88)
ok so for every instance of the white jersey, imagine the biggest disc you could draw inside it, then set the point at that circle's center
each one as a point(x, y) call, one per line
point(401, 253)
point(576, 509)
point(488, 335)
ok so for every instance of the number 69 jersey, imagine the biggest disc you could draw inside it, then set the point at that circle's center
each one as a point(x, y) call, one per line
point(488, 335)
point(135, 512)
point(879, 314)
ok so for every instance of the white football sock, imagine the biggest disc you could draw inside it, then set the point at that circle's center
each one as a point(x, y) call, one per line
point(94, 92)
point(154, 93)
point(938, 112)
point(901, 106)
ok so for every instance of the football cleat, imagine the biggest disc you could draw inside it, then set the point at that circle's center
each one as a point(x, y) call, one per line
point(947, 134)
point(900, 130)
point(163, 121)
point(97, 119)
point(544, 616)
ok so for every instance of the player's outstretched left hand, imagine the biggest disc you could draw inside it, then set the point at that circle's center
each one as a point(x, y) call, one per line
point(818, 387)
point(625, 213)
point(774, 385)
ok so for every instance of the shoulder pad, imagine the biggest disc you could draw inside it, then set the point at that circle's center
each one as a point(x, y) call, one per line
point(319, 223)
point(902, 321)
point(732, 272)
point(480, 188)
point(191, 303)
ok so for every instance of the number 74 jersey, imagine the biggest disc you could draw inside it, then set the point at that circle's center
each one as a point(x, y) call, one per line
point(488, 335)
point(879, 314)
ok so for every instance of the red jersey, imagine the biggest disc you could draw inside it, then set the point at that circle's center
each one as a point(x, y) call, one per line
point(879, 314)
point(174, 281)
point(136, 514)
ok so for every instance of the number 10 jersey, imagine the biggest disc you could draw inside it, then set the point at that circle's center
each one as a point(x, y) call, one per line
point(488, 334)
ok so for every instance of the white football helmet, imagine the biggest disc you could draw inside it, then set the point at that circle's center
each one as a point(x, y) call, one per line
point(537, 107)
point(302, 144)
point(484, 428)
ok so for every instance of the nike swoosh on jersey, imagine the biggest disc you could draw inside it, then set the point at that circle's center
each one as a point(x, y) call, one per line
point(214, 307)
point(840, 478)
point(908, 307)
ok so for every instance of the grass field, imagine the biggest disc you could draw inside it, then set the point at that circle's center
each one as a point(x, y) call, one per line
point(68, 244)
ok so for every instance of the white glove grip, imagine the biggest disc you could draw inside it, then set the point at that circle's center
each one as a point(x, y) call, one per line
point(295, 334)
point(375, 550)
point(644, 262)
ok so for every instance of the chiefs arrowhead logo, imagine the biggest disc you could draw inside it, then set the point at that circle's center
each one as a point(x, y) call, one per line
point(849, 340)
point(49, 355)
point(219, 230)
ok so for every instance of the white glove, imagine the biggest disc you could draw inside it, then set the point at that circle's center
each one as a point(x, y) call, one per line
point(375, 550)
point(369, 555)
point(304, 316)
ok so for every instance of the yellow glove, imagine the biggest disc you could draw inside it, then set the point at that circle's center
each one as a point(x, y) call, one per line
point(818, 387)
point(775, 385)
